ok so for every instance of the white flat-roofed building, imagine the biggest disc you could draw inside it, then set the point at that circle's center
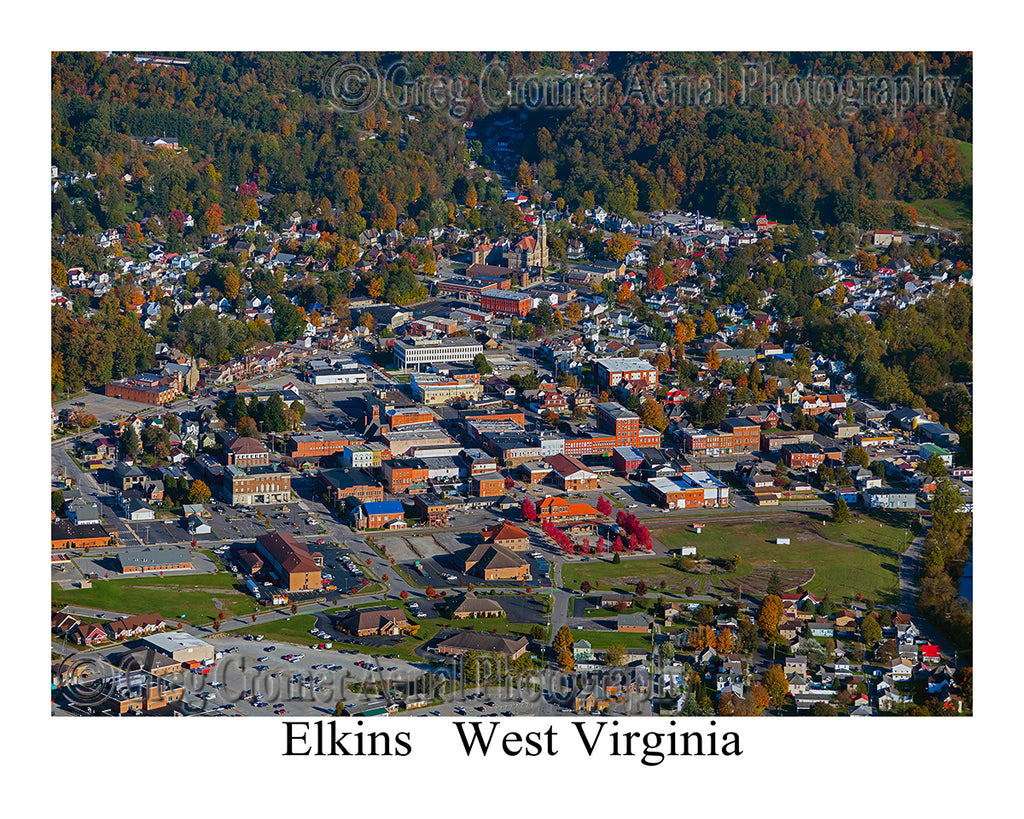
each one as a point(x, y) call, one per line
point(357, 457)
point(411, 352)
point(613, 371)
point(180, 646)
point(327, 376)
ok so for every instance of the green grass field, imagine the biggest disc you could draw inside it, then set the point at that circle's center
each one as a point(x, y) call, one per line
point(861, 556)
point(950, 213)
point(192, 596)
point(602, 639)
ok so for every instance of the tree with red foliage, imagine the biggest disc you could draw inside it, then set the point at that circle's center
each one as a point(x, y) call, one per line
point(617, 545)
point(656, 280)
point(604, 506)
point(509, 482)
point(529, 510)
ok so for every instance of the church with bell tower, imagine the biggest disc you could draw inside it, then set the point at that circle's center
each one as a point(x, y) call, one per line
point(532, 249)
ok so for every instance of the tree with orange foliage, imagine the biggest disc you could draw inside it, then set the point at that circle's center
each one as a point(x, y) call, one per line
point(769, 614)
point(250, 210)
point(724, 642)
point(776, 685)
point(702, 637)
point(619, 246)
point(133, 233)
point(376, 287)
point(758, 698)
point(214, 217)
point(58, 274)
point(351, 180)
point(712, 359)
point(624, 295)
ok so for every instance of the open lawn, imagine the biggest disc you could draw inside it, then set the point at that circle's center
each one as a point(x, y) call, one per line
point(195, 597)
point(952, 213)
point(860, 556)
point(602, 639)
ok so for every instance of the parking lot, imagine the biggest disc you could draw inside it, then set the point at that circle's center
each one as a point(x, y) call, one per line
point(231, 522)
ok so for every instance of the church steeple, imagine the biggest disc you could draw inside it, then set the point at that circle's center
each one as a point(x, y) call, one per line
point(542, 241)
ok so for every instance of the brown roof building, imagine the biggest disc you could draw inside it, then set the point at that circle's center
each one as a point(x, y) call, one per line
point(291, 564)
point(376, 622)
point(473, 606)
point(493, 562)
point(247, 452)
point(464, 641)
point(571, 474)
point(507, 535)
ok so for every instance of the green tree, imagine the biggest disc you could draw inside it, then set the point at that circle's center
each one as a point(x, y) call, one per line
point(775, 583)
point(870, 631)
point(57, 501)
point(481, 364)
point(935, 467)
point(274, 414)
point(130, 444)
point(840, 511)
point(857, 455)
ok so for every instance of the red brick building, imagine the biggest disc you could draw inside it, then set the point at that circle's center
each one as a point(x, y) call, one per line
point(707, 442)
point(145, 388)
point(617, 420)
point(571, 475)
point(503, 303)
point(247, 452)
point(559, 510)
point(319, 444)
point(401, 473)
point(746, 434)
point(488, 485)
point(67, 535)
point(802, 456)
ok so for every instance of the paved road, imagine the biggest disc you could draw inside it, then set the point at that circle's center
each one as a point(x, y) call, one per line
point(910, 565)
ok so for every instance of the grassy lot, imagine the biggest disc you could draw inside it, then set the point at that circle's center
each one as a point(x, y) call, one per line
point(860, 556)
point(602, 639)
point(966, 150)
point(651, 569)
point(170, 597)
point(951, 213)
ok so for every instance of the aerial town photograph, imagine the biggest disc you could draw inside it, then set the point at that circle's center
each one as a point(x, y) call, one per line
point(498, 384)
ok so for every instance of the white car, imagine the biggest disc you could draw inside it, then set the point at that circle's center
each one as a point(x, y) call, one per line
point(632, 506)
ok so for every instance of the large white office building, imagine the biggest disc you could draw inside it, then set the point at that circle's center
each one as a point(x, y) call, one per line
point(411, 352)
